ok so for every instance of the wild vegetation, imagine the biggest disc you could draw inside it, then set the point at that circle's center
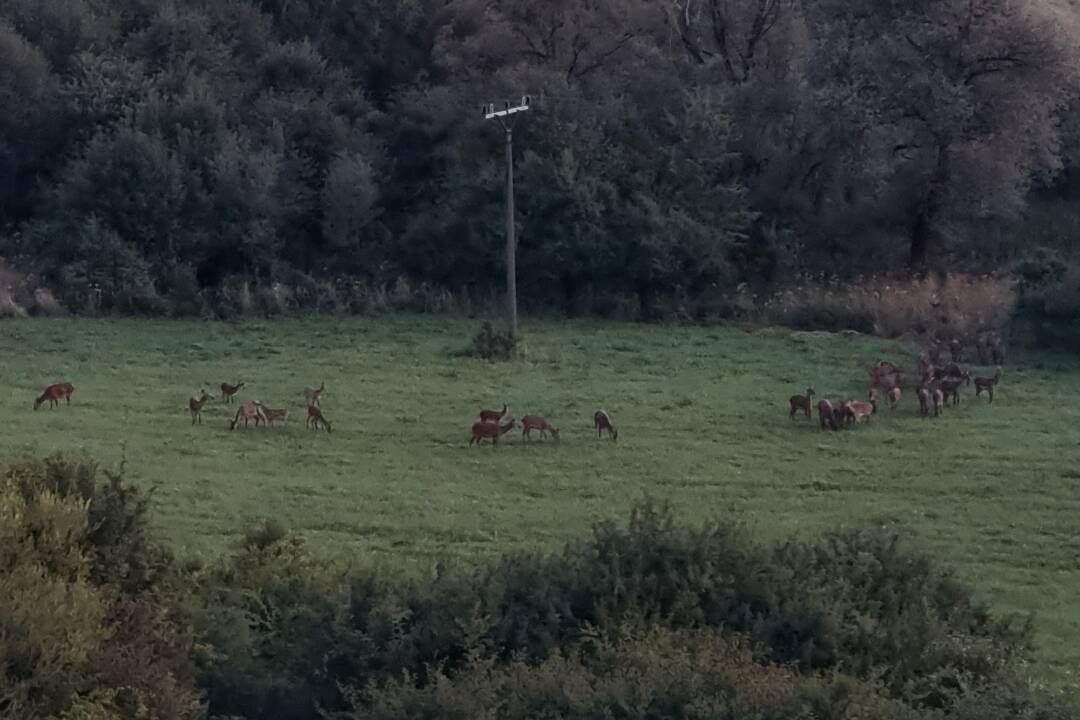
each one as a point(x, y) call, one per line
point(650, 619)
point(216, 156)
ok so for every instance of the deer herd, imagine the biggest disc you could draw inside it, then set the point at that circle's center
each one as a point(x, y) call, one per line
point(937, 386)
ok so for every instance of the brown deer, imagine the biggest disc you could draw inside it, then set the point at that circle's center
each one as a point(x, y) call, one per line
point(939, 400)
point(858, 410)
point(274, 414)
point(312, 395)
point(492, 415)
point(490, 430)
point(950, 387)
point(801, 402)
point(602, 421)
point(987, 384)
point(196, 406)
point(894, 398)
point(926, 400)
point(537, 422)
point(53, 393)
point(248, 411)
point(827, 415)
point(315, 417)
point(227, 391)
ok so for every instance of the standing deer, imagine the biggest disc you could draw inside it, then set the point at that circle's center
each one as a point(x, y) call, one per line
point(196, 406)
point(227, 391)
point(248, 411)
point(537, 422)
point(492, 415)
point(315, 418)
point(53, 393)
point(987, 384)
point(602, 422)
point(801, 402)
point(312, 395)
point(489, 430)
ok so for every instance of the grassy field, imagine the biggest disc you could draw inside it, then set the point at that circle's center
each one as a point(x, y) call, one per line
point(703, 424)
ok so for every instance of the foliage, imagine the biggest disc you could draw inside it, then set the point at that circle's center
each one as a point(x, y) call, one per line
point(157, 158)
point(491, 344)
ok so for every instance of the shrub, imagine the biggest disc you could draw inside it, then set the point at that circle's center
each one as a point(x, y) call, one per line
point(491, 344)
point(1048, 310)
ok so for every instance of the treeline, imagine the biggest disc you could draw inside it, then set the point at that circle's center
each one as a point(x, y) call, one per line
point(651, 619)
point(155, 156)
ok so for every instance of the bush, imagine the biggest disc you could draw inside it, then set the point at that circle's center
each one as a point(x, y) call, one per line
point(491, 344)
point(75, 642)
point(1048, 311)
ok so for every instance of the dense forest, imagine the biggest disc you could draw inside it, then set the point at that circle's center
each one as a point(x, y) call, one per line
point(152, 151)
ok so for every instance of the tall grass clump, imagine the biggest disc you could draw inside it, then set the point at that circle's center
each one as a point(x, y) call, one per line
point(960, 307)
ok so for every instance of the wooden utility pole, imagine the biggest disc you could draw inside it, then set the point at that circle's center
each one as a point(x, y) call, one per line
point(511, 242)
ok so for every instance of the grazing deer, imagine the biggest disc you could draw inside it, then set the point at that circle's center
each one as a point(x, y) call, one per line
point(311, 395)
point(248, 411)
point(53, 393)
point(987, 384)
point(801, 402)
point(492, 430)
point(274, 414)
point(827, 415)
point(227, 391)
point(315, 417)
point(537, 422)
point(858, 411)
point(196, 406)
point(602, 421)
point(492, 415)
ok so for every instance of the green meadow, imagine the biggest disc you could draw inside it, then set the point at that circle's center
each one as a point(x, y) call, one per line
point(702, 416)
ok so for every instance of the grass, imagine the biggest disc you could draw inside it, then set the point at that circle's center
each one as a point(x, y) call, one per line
point(703, 424)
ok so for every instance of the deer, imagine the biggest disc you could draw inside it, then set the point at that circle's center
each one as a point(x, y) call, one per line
point(827, 415)
point(858, 410)
point(894, 398)
point(987, 384)
point(227, 391)
point(939, 401)
point(950, 387)
point(925, 400)
point(248, 411)
point(492, 415)
point(492, 430)
point(53, 393)
point(537, 422)
point(274, 414)
point(315, 417)
point(801, 402)
point(311, 395)
point(602, 421)
point(196, 406)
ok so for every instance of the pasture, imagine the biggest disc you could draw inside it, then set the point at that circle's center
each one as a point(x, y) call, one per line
point(702, 415)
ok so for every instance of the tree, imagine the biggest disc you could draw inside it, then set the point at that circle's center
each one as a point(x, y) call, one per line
point(949, 106)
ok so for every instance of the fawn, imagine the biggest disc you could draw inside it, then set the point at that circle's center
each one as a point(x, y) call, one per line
point(537, 422)
point(196, 406)
point(801, 402)
point(315, 417)
point(227, 391)
point(987, 384)
point(274, 414)
point(492, 415)
point(858, 411)
point(494, 431)
point(311, 395)
point(602, 421)
point(248, 411)
point(53, 393)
